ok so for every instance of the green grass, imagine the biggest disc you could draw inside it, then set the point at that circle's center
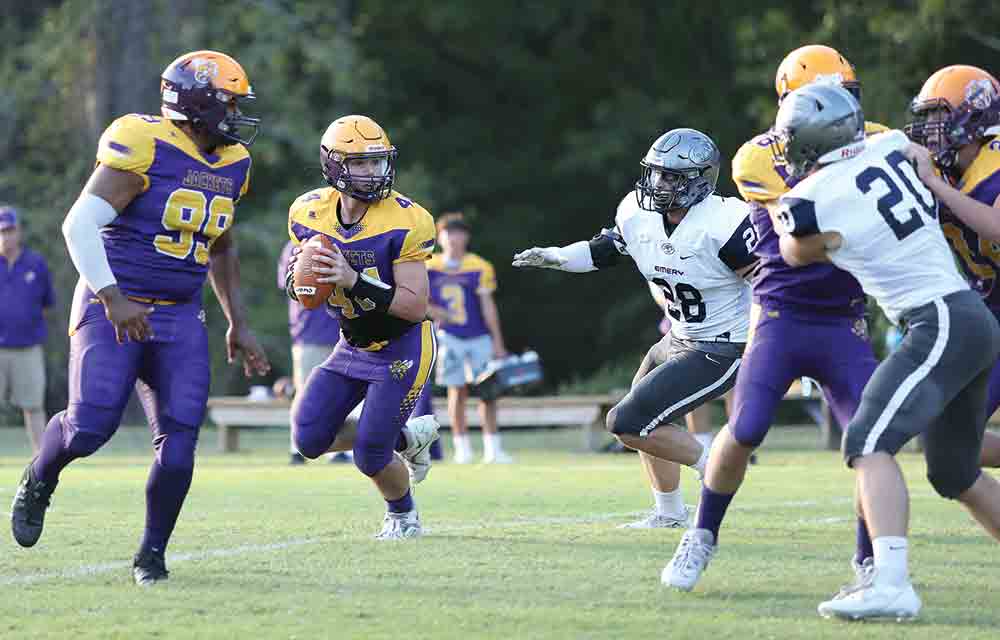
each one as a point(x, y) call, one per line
point(524, 551)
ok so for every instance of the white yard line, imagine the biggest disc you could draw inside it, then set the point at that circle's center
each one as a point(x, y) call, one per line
point(88, 571)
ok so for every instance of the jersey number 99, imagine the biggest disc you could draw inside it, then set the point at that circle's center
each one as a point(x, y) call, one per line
point(187, 213)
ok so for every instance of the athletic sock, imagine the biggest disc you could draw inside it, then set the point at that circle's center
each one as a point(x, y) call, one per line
point(891, 559)
point(491, 444)
point(165, 493)
point(669, 503)
point(53, 455)
point(705, 439)
point(401, 505)
point(702, 462)
point(864, 543)
point(711, 510)
point(461, 443)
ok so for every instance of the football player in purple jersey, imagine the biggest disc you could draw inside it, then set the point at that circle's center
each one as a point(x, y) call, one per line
point(151, 224)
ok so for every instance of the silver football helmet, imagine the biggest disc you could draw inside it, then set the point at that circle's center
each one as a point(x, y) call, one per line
point(817, 124)
point(680, 170)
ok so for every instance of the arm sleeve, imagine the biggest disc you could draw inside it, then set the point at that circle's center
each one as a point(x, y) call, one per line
point(82, 230)
point(419, 241)
point(798, 217)
point(128, 145)
point(737, 253)
point(607, 248)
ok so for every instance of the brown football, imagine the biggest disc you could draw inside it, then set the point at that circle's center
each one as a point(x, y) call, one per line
point(311, 294)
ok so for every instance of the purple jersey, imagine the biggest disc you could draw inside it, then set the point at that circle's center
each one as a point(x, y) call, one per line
point(306, 326)
point(457, 288)
point(393, 230)
point(158, 247)
point(818, 287)
point(978, 258)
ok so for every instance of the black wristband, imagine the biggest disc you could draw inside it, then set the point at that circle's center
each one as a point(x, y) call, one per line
point(290, 285)
point(371, 294)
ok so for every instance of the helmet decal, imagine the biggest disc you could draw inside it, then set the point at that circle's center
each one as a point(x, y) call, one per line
point(205, 70)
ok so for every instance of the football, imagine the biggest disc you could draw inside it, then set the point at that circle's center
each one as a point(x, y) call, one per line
point(311, 294)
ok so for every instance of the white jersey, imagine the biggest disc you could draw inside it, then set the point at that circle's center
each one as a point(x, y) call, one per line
point(887, 219)
point(695, 264)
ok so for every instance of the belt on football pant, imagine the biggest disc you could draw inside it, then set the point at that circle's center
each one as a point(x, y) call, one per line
point(142, 300)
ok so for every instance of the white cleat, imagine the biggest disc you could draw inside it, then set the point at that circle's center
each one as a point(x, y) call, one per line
point(862, 576)
point(420, 434)
point(873, 599)
point(462, 457)
point(498, 457)
point(693, 554)
point(399, 526)
point(655, 520)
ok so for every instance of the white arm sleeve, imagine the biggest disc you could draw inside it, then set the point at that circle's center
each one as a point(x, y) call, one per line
point(82, 230)
point(576, 257)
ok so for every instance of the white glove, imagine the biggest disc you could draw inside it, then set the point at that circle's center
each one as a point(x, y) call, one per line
point(547, 258)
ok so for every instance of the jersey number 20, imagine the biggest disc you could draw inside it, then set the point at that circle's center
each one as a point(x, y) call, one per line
point(900, 167)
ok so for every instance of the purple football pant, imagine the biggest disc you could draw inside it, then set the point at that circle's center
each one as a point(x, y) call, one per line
point(423, 406)
point(389, 381)
point(785, 345)
point(170, 372)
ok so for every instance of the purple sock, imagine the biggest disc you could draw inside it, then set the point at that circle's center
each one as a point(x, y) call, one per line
point(401, 505)
point(53, 456)
point(712, 509)
point(165, 493)
point(437, 453)
point(864, 548)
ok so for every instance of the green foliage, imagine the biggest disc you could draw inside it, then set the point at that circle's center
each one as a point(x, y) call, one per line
point(529, 116)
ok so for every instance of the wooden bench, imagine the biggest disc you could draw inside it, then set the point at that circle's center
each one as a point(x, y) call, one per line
point(233, 413)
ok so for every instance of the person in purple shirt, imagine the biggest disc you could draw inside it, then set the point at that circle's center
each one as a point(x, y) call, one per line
point(26, 283)
point(314, 334)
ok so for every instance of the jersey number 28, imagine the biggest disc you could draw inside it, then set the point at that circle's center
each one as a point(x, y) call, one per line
point(683, 301)
point(906, 221)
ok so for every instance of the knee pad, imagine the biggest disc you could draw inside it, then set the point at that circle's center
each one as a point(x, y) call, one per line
point(611, 420)
point(175, 449)
point(371, 457)
point(625, 419)
point(951, 483)
point(749, 435)
point(310, 444)
point(88, 429)
point(310, 439)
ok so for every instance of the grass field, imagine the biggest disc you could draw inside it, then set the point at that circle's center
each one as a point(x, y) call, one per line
point(523, 551)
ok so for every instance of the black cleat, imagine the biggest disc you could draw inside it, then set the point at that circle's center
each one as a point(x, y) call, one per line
point(296, 458)
point(149, 567)
point(27, 514)
point(341, 457)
